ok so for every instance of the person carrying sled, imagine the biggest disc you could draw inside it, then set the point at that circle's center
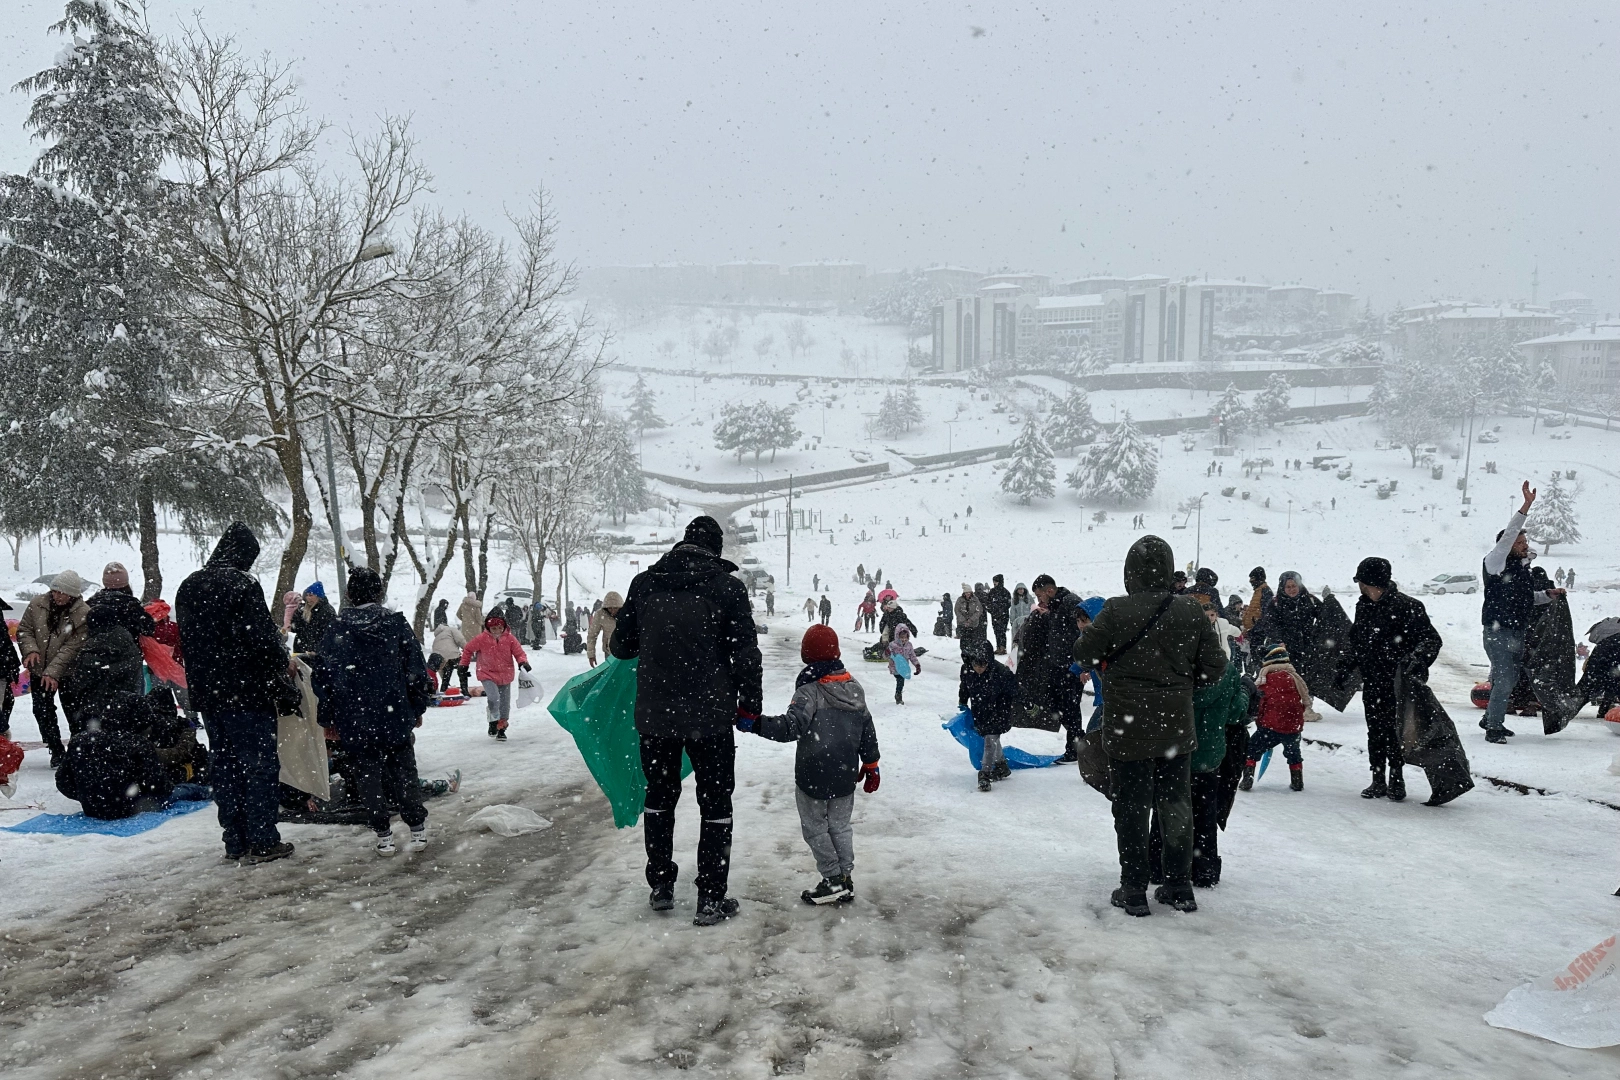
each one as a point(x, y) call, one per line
point(901, 647)
point(1391, 639)
point(946, 617)
point(990, 693)
point(499, 657)
point(690, 623)
point(837, 748)
point(1155, 648)
point(1511, 594)
point(866, 614)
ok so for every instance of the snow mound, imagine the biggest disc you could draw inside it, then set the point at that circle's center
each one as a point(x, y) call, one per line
point(504, 819)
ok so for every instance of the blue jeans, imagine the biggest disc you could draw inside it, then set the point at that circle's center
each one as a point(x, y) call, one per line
point(243, 768)
point(1505, 648)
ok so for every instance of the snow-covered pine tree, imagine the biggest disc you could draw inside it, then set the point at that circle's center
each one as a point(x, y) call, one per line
point(643, 414)
point(1125, 465)
point(738, 428)
point(619, 485)
point(1552, 519)
point(1230, 415)
point(889, 422)
point(911, 410)
point(1071, 423)
point(1031, 472)
point(1271, 405)
point(96, 369)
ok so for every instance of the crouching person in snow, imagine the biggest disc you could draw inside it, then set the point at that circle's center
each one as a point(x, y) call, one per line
point(237, 671)
point(374, 688)
point(990, 693)
point(837, 747)
point(499, 656)
point(690, 623)
point(1155, 648)
point(1284, 702)
point(110, 767)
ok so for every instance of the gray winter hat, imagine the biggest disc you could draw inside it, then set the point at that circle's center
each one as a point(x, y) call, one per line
point(69, 583)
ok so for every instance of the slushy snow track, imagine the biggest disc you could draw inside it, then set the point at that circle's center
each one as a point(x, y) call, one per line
point(1348, 938)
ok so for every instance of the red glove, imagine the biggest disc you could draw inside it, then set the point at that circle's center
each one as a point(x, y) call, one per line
point(870, 772)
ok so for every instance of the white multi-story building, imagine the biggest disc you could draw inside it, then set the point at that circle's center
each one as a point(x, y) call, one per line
point(1467, 325)
point(1585, 361)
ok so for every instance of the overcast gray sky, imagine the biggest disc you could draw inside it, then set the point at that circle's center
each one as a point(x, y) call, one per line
point(1398, 150)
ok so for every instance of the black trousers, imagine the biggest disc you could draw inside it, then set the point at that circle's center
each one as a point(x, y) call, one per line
point(1379, 704)
point(45, 716)
point(1140, 788)
point(714, 765)
point(1206, 814)
point(386, 776)
point(1001, 635)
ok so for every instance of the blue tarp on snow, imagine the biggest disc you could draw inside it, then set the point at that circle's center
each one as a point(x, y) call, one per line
point(79, 825)
point(961, 728)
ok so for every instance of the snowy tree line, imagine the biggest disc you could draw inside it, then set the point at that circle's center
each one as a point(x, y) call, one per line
point(192, 294)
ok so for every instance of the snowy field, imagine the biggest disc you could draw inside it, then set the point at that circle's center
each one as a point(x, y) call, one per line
point(1347, 938)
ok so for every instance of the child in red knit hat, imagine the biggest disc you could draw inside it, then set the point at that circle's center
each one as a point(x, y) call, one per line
point(837, 747)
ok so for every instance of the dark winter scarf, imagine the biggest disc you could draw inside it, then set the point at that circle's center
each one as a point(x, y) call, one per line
point(816, 671)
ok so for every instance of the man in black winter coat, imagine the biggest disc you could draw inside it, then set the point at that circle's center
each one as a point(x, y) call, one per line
point(110, 662)
point(1048, 639)
point(237, 671)
point(374, 687)
point(111, 767)
point(997, 604)
point(1392, 638)
point(690, 623)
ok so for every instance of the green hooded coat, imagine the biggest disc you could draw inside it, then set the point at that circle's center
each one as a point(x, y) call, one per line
point(1215, 708)
point(1148, 689)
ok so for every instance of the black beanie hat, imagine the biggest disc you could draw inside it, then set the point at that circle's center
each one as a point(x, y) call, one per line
point(706, 533)
point(1373, 571)
point(1257, 576)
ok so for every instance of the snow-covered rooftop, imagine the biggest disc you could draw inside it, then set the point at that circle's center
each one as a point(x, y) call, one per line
point(1085, 300)
point(1596, 332)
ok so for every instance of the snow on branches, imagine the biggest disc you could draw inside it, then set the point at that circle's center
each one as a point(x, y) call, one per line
point(1552, 519)
point(1071, 423)
point(1124, 465)
point(755, 428)
point(1031, 472)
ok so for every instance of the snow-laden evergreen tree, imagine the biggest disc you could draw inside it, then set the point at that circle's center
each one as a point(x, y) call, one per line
point(1230, 415)
point(776, 430)
point(1030, 473)
point(1552, 519)
point(1125, 465)
point(909, 302)
point(755, 428)
point(911, 410)
point(738, 428)
point(899, 412)
point(1070, 423)
point(620, 485)
point(97, 372)
point(643, 414)
point(1407, 399)
point(1271, 405)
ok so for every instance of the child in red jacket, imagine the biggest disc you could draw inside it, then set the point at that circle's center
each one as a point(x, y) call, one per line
point(499, 656)
point(1284, 701)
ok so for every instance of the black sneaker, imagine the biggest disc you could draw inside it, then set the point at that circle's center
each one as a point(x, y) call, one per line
point(1247, 783)
point(1296, 779)
point(1397, 786)
point(271, 853)
point(984, 779)
point(662, 898)
point(493, 729)
point(56, 760)
point(1134, 903)
point(828, 891)
point(1001, 771)
point(500, 734)
point(1179, 897)
point(1070, 756)
point(1376, 789)
point(1496, 736)
point(710, 912)
point(849, 890)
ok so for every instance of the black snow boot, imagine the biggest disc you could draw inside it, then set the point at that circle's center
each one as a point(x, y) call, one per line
point(1397, 786)
point(1134, 902)
point(1071, 753)
point(1206, 871)
point(1247, 783)
point(1376, 789)
point(1296, 779)
point(1001, 771)
point(1496, 736)
point(714, 910)
point(984, 779)
point(1179, 896)
point(828, 891)
point(492, 728)
point(662, 897)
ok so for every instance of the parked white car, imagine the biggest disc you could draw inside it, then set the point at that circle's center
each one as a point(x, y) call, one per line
point(1452, 583)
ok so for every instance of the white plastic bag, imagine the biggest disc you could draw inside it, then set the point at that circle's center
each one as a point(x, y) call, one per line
point(528, 690)
point(301, 744)
point(1578, 1006)
point(504, 819)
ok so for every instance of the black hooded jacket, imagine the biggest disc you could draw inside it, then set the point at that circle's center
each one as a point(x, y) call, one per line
point(371, 679)
point(110, 661)
point(690, 623)
point(1391, 634)
point(1043, 655)
point(235, 661)
point(111, 765)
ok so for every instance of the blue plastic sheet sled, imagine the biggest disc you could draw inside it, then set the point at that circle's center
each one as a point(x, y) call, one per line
point(961, 728)
point(79, 825)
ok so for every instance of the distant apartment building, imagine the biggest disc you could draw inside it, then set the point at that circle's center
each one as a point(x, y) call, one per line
point(841, 283)
point(1585, 361)
point(1460, 325)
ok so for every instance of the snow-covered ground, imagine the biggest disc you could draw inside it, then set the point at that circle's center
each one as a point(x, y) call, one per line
point(1347, 938)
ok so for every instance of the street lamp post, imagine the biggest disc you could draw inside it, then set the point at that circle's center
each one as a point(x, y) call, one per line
point(1198, 550)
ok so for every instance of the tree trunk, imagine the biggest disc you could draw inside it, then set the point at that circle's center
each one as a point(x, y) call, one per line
point(464, 515)
point(290, 456)
point(424, 603)
point(150, 569)
point(483, 553)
